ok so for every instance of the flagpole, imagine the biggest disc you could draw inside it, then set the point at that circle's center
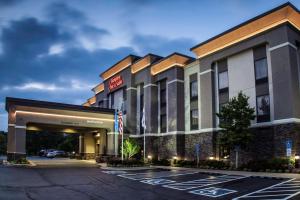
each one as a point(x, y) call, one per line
point(122, 147)
point(144, 129)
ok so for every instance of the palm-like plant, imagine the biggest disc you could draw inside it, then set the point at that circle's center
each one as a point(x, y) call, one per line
point(131, 148)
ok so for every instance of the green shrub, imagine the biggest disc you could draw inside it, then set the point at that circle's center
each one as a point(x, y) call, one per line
point(185, 163)
point(161, 162)
point(124, 163)
point(20, 161)
point(272, 165)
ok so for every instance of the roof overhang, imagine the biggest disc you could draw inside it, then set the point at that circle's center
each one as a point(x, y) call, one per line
point(275, 17)
point(99, 88)
point(119, 66)
point(170, 61)
point(144, 62)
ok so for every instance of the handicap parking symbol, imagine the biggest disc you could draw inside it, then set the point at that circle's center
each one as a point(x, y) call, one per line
point(157, 181)
point(212, 192)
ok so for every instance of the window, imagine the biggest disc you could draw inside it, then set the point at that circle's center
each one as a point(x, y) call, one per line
point(163, 123)
point(261, 69)
point(141, 113)
point(163, 97)
point(223, 80)
point(194, 119)
point(101, 104)
point(194, 90)
point(263, 108)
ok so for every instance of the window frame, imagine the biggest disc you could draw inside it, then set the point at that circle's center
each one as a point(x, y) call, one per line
point(194, 126)
point(224, 89)
point(262, 117)
point(196, 96)
point(262, 79)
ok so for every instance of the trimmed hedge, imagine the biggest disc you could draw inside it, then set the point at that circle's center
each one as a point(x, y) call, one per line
point(273, 165)
point(162, 162)
point(125, 163)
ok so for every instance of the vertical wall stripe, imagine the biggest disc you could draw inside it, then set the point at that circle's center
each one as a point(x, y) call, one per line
point(216, 93)
point(271, 94)
point(158, 105)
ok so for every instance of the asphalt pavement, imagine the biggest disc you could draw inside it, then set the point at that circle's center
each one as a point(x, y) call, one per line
point(91, 183)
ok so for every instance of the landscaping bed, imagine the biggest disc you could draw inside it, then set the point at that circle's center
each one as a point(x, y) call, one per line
point(125, 163)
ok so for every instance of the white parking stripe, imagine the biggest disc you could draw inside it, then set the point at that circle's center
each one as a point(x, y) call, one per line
point(151, 175)
point(203, 182)
point(285, 190)
point(114, 172)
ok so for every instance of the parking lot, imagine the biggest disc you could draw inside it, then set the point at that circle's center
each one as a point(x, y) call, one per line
point(196, 185)
point(90, 183)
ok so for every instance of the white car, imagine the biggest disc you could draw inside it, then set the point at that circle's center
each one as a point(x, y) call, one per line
point(53, 154)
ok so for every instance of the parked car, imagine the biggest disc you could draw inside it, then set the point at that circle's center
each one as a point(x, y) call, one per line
point(56, 153)
point(44, 152)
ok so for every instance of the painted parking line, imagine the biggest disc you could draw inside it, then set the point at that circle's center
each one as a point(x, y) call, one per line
point(204, 182)
point(114, 172)
point(157, 181)
point(213, 192)
point(284, 190)
point(153, 175)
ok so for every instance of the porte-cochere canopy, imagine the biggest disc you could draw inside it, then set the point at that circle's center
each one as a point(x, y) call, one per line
point(96, 125)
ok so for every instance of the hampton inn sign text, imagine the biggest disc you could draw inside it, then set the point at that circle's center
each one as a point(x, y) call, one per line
point(115, 82)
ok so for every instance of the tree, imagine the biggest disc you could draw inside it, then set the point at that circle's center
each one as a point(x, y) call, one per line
point(235, 118)
point(131, 148)
point(3, 142)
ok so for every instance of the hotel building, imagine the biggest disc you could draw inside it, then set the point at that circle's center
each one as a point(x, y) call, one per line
point(181, 95)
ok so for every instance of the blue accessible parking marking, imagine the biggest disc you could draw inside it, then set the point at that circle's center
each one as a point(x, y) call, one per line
point(212, 192)
point(157, 181)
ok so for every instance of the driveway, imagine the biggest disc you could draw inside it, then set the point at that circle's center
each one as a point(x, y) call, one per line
point(92, 183)
point(61, 162)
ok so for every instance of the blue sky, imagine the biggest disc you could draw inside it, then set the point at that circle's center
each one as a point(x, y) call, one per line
point(55, 50)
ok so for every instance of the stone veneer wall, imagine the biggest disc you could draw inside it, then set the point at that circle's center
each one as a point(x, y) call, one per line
point(207, 145)
point(267, 143)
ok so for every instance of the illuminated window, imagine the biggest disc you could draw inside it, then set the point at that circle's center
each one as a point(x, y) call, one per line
point(263, 108)
point(194, 119)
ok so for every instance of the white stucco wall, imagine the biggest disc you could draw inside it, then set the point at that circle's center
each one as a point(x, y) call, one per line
point(241, 76)
point(189, 70)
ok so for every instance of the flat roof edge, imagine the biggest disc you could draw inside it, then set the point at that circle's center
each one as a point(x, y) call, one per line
point(53, 105)
point(246, 22)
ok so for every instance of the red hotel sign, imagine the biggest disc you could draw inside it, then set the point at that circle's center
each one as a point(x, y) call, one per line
point(115, 82)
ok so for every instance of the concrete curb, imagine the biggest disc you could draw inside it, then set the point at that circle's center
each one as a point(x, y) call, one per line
point(243, 173)
point(6, 163)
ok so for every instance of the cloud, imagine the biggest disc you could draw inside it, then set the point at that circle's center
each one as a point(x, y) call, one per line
point(61, 85)
point(56, 49)
point(6, 3)
point(62, 13)
point(161, 45)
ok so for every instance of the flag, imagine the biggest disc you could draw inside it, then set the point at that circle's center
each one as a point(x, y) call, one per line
point(120, 117)
point(143, 119)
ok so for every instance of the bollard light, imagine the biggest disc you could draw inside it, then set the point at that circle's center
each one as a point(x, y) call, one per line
point(175, 158)
point(297, 157)
point(149, 157)
point(211, 158)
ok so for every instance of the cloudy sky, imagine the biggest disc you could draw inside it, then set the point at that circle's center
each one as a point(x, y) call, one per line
point(55, 50)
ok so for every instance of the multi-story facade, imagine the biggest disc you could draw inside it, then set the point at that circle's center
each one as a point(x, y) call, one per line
point(181, 95)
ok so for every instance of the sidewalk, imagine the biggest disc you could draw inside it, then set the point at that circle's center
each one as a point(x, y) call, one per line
point(242, 173)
